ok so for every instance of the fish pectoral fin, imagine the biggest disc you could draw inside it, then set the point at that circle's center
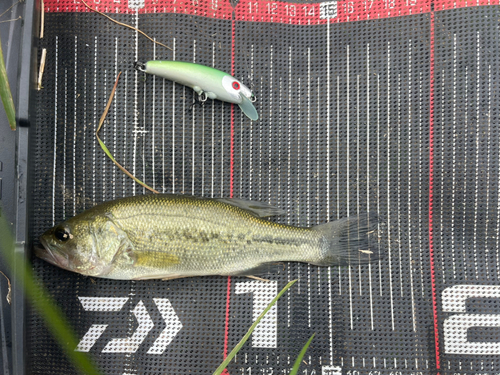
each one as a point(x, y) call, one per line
point(258, 209)
point(248, 108)
point(262, 269)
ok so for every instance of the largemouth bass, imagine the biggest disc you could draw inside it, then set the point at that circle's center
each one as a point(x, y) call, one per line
point(169, 236)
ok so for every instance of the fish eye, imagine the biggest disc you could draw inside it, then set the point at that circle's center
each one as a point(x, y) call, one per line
point(62, 234)
point(236, 85)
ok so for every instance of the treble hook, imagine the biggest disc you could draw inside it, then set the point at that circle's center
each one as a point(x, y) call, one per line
point(200, 100)
point(202, 97)
point(140, 66)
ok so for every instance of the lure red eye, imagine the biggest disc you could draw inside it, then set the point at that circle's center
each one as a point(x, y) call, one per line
point(236, 85)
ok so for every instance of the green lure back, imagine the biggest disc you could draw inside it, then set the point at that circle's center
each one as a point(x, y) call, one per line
point(215, 84)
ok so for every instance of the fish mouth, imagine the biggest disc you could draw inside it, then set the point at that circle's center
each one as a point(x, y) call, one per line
point(50, 256)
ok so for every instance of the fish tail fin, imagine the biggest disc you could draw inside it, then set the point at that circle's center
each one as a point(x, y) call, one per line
point(350, 241)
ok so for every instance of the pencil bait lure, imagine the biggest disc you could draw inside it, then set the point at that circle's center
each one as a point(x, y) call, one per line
point(205, 81)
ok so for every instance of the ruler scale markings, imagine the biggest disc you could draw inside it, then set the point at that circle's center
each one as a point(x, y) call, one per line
point(327, 124)
point(213, 132)
point(251, 134)
point(95, 124)
point(388, 175)
point(163, 102)
point(318, 173)
point(348, 148)
point(308, 174)
point(260, 141)
point(193, 117)
point(222, 152)
point(368, 168)
point(153, 115)
point(453, 184)
point(338, 169)
point(466, 132)
point(338, 148)
point(410, 175)
point(420, 174)
point(289, 200)
point(104, 135)
point(65, 123)
point(184, 139)
point(241, 154)
point(143, 132)
point(280, 136)
point(357, 171)
point(330, 314)
point(399, 186)
point(84, 156)
point(378, 178)
point(271, 92)
point(213, 150)
point(125, 98)
point(348, 183)
point(476, 182)
point(173, 121)
point(486, 234)
point(309, 295)
point(441, 234)
point(114, 118)
point(308, 135)
point(136, 111)
point(299, 119)
point(203, 152)
point(74, 124)
point(497, 254)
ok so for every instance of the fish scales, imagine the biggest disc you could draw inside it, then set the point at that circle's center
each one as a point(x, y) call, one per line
point(171, 236)
point(209, 237)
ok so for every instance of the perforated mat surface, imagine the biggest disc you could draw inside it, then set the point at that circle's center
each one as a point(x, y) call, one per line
point(382, 106)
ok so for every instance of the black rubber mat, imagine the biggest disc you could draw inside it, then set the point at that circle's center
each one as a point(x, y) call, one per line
point(396, 115)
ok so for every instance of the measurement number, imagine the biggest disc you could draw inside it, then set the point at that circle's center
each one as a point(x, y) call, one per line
point(265, 334)
point(272, 8)
point(456, 326)
point(291, 10)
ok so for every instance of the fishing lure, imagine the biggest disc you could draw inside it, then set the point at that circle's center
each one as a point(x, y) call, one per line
point(205, 81)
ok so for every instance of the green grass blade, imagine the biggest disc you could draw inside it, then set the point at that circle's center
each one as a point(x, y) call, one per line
point(298, 361)
point(231, 355)
point(36, 294)
point(5, 94)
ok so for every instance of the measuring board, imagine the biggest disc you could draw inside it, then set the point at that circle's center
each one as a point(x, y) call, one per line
point(383, 106)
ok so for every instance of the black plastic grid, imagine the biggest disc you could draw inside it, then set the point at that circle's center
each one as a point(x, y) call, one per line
point(344, 128)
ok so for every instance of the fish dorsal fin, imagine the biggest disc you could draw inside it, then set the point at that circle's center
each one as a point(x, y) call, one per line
point(258, 209)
